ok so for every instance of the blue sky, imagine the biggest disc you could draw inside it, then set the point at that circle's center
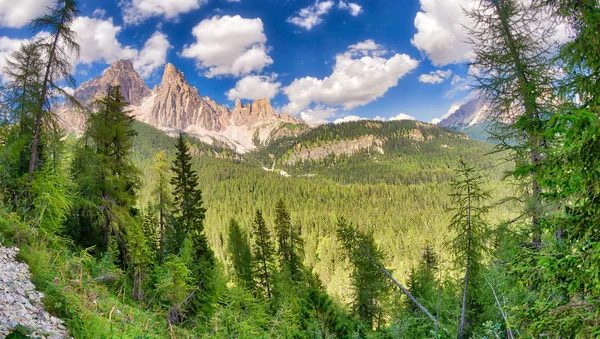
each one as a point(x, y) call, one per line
point(322, 60)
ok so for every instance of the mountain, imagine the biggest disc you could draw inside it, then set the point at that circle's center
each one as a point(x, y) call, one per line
point(175, 106)
point(470, 118)
point(120, 73)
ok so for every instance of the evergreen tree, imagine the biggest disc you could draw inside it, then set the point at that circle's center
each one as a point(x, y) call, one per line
point(290, 245)
point(468, 245)
point(188, 213)
point(151, 229)
point(163, 197)
point(563, 273)
point(240, 254)
point(263, 255)
point(23, 71)
point(58, 49)
point(283, 224)
point(370, 285)
point(188, 220)
point(513, 49)
point(105, 177)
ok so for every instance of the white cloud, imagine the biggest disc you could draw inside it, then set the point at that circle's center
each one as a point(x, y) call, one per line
point(7, 46)
point(441, 32)
point(229, 45)
point(318, 115)
point(402, 116)
point(98, 41)
point(360, 75)
point(68, 90)
point(456, 80)
point(16, 14)
point(99, 13)
point(136, 11)
point(254, 87)
point(311, 16)
point(153, 55)
point(348, 118)
point(353, 8)
point(435, 77)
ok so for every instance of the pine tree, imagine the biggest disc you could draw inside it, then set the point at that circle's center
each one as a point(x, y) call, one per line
point(370, 285)
point(187, 200)
point(162, 193)
point(188, 215)
point(263, 255)
point(283, 225)
point(58, 49)
point(290, 245)
point(105, 177)
point(240, 254)
point(468, 246)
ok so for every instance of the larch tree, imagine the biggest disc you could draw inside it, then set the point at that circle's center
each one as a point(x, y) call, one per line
point(240, 255)
point(58, 50)
point(512, 48)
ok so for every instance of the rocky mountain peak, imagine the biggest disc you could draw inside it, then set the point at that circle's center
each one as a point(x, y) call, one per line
point(120, 73)
point(172, 74)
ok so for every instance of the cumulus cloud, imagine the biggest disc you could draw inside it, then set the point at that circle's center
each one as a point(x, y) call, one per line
point(137, 11)
point(318, 115)
point(153, 55)
point(442, 29)
point(435, 77)
point(16, 14)
point(441, 32)
point(98, 41)
point(402, 116)
point(360, 75)
point(348, 118)
point(7, 46)
point(312, 15)
point(254, 87)
point(229, 45)
point(353, 8)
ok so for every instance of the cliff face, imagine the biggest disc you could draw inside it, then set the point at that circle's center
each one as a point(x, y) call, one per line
point(177, 105)
point(120, 73)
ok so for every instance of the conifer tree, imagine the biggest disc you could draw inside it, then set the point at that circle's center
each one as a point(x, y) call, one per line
point(370, 285)
point(58, 49)
point(241, 255)
point(106, 179)
point(162, 193)
point(468, 246)
point(23, 71)
point(188, 213)
point(151, 229)
point(563, 273)
point(263, 255)
point(512, 46)
point(188, 222)
point(283, 225)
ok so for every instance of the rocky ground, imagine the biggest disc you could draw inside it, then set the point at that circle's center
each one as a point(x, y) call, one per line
point(21, 304)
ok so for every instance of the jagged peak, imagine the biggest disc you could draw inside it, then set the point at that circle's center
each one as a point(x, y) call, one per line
point(121, 65)
point(263, 106)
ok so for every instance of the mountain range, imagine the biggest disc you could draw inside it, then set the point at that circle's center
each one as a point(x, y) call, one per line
point(175, 106)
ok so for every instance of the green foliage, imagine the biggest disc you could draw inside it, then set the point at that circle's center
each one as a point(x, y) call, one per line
point(240, 255)
point(369, 283)
point(263, 256)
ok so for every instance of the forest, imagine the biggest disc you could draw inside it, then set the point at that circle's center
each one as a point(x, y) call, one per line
point(131, 233)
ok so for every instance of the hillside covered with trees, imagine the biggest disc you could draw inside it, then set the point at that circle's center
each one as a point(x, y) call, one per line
point(365, 229)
